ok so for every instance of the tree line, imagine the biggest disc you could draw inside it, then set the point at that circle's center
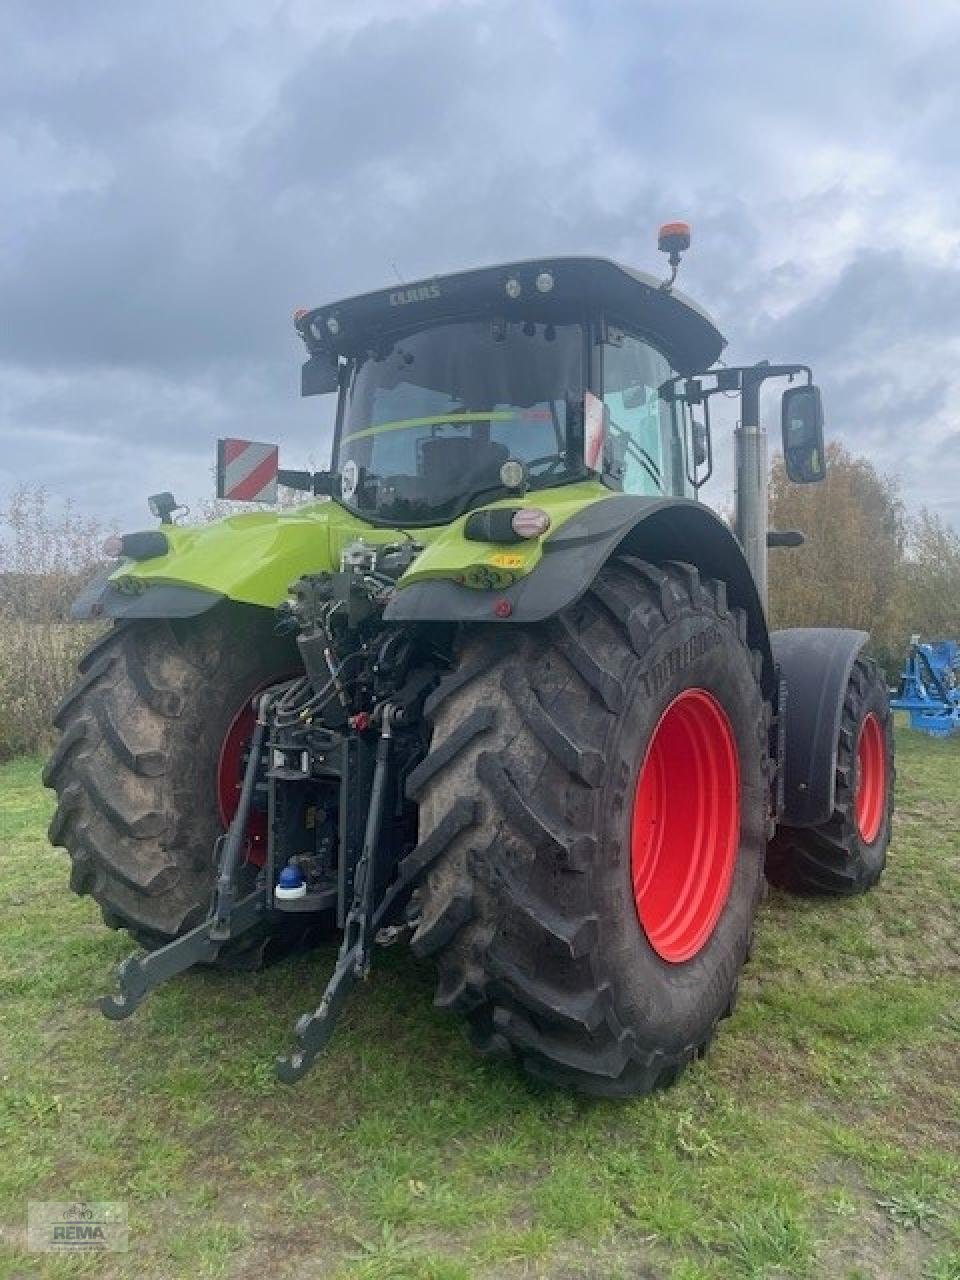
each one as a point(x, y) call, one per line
point(868, 561)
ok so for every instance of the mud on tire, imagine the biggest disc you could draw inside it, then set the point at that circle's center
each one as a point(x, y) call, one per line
point(135, 767)
point(525, 809)
point(836, 858)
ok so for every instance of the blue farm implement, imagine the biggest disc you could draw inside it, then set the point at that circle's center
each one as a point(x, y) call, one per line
point(930, 687)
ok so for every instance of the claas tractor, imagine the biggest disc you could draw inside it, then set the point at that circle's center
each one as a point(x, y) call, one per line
point(498, 685)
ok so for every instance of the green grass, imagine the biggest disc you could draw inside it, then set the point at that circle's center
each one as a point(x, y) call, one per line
point(820, 1138)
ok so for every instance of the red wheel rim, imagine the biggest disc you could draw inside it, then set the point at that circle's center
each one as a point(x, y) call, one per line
point(230, 767)
point(870, 787)
point(685, 830)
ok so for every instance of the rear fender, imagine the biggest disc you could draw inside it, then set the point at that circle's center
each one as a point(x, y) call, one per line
point(815, 664)
point(572, 556)
point(101, 598)
point(250, 558)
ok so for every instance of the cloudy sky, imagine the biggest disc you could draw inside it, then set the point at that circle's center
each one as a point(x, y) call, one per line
point(177, 177)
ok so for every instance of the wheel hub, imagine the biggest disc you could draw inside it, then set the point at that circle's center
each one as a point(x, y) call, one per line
point(870, 789)
point(685, 830)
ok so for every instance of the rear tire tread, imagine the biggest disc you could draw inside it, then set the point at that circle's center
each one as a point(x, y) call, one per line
point(126, 767)
point(553, 1014)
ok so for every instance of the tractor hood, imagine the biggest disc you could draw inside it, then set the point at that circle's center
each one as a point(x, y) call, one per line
point(674, 323)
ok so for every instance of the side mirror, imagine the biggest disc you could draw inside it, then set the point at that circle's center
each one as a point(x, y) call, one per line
point(320, 375)
point(802, 426)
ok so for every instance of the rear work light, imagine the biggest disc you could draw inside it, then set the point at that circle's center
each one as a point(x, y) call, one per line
point(320, 327)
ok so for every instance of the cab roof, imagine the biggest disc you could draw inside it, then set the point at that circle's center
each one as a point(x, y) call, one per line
point(633, 299)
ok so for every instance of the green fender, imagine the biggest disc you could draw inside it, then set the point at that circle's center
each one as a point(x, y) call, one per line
point(250, 558)
point(253, 558)
point(572, 555)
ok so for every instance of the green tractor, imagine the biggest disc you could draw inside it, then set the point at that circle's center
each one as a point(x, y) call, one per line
point(505, 689)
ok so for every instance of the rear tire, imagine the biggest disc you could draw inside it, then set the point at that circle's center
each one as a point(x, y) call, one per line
point(847, 854)
point(135, 770)
point(527, 803)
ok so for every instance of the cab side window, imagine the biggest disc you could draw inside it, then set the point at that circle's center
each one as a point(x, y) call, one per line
point(638, 424)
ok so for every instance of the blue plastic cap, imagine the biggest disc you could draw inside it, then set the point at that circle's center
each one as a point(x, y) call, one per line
point(290, 877)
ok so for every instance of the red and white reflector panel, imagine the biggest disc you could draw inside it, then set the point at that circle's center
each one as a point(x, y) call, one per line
point(247, 470)
point(593, 432)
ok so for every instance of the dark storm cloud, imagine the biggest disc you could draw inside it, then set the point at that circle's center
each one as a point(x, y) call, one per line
point(177, 178)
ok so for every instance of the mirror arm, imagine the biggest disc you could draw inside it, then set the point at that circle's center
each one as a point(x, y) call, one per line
point(766, 370)
point(708, 434)
point(319, 483)
point(302, 480)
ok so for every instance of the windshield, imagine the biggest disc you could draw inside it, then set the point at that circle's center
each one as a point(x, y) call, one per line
point(429, 419)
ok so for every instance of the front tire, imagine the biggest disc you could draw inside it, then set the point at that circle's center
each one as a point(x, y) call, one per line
point(136, 766)
point(565, 835)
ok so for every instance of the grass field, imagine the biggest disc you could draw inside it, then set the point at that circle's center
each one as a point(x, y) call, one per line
point(820, 1138)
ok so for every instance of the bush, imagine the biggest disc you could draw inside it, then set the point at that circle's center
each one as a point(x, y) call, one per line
point(38, 663)
point(46, 553)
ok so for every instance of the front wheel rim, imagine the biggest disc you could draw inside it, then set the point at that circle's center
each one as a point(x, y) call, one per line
point(685, 828)
point(870, 790)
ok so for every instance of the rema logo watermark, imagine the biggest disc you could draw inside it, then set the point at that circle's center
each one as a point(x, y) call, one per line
point(77, 1226)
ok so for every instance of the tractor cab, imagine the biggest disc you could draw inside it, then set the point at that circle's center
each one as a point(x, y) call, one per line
point(465, 388)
